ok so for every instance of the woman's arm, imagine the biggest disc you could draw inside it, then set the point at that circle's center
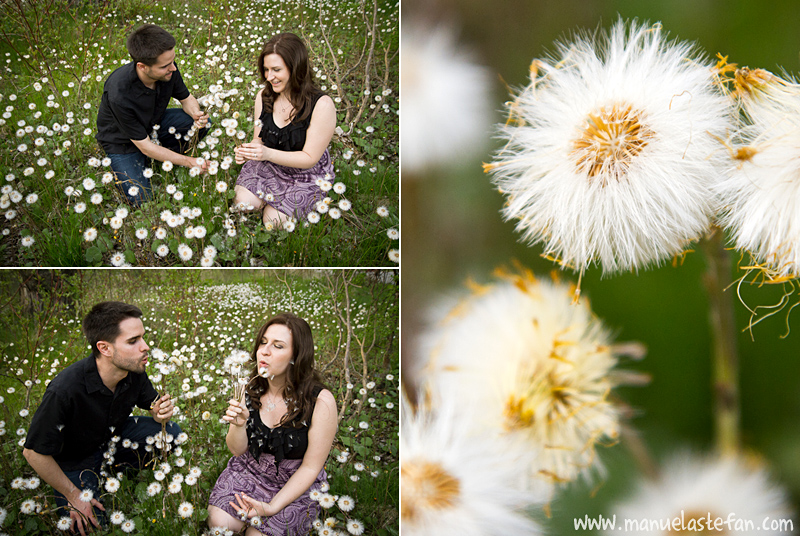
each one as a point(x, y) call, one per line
point(237, 415)
point(324, 423)
point(318, 136)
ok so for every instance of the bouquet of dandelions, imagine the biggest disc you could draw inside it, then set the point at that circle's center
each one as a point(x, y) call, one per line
point(208, 103)
point(235, 364)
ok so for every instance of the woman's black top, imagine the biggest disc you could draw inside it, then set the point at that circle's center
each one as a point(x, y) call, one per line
point(292, 137)
point(283, 441)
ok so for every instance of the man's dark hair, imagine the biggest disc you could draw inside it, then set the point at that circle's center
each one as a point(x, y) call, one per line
point(102, 322)
point(147, 43)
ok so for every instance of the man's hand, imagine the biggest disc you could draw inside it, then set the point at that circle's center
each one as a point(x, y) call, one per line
point(82, 514)
point(197, 162)
point(200, 119)
point(162, 409)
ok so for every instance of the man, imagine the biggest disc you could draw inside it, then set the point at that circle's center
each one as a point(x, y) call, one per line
point(89, 402)
point(135, 99)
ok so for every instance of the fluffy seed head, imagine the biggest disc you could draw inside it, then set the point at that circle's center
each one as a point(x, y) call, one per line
point(761, 196)
point(531, 366)
point(453, 482)
point(695, 488)
point(613, 149)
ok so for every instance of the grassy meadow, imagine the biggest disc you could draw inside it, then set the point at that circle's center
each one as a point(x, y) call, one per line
point(194, 320)
point(58, 197)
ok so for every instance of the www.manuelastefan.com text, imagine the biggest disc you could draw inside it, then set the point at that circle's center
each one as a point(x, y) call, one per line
point(693, 522)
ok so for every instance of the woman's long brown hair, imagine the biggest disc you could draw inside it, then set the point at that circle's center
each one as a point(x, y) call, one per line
point(301, 378)
point(302, 87)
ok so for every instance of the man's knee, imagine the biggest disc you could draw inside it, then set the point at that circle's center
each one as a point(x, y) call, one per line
point(173, 428)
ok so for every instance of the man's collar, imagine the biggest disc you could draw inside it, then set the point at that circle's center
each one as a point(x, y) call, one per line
point(136, 82)
point(94, 382)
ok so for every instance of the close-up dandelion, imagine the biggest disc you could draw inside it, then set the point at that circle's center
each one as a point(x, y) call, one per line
point(451, 483)
point(643, 158)
point(612, 151)
point(543, 376)
point(759, 196)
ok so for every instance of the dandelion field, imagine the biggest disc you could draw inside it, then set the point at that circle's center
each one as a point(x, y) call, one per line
point(58, 198)
point(195, 320)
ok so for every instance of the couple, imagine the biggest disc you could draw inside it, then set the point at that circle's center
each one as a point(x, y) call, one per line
point(278, 457)
point(295, 122)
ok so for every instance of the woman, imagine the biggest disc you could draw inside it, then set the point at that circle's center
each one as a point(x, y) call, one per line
point(280, 437)
point(289, 151)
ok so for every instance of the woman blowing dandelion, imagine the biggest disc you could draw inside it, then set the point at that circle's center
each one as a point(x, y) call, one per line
point(280, 437)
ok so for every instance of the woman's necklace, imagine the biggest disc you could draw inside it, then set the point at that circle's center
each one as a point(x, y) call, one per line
point(270, 405)
point(287, 106)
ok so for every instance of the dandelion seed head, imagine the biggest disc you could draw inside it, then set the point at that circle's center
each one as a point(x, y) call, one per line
point(451, 479)
point(550, 390)
point(612, 151)
point(694, 487)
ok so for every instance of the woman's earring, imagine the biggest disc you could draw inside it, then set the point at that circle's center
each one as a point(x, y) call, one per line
point(291, 362)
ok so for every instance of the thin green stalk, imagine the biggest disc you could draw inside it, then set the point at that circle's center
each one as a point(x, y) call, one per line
point(725, 361)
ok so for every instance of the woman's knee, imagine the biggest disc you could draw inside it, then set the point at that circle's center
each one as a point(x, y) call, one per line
point(271, 214)
point(245, 200)
point(217, 517)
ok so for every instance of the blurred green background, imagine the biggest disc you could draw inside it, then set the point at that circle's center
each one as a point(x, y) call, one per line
point(452, 230)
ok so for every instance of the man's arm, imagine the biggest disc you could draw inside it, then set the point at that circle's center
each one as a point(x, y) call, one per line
point(47, 468)
point(192, 108)
point(157, 152)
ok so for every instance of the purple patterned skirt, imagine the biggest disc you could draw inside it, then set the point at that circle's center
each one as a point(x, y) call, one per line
point(262, 480)
point(294, 189)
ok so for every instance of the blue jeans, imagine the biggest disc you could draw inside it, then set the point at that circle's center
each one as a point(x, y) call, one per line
point(129, 168)
point(136, 429)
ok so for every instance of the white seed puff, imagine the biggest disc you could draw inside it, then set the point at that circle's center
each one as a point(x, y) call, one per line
point(761, 196)
point(694, 489)
point(454, 483)
point(613, 149)
point(529, 366)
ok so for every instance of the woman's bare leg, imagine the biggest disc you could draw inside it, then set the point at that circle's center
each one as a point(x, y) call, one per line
point(217, 517)
point(271, 214)
point(244, 199)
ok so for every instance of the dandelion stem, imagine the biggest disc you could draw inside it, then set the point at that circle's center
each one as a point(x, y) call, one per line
point(724, 351)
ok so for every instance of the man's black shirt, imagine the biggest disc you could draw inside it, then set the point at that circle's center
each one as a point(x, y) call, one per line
point(78, 413)
point(129, 109)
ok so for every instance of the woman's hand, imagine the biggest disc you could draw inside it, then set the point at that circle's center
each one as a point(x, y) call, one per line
point(237, 413)
point(249, 507)
point(250, 151)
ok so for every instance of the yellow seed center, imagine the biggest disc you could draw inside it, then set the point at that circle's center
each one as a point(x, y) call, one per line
point(545, 391)
point(426, 486)
point(609, 140)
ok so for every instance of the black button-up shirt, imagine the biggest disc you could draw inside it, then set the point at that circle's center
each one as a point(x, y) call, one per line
point(129, 109)
point(78, 413)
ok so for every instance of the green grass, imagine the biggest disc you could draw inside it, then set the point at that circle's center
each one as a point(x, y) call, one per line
point(199, 317)
point(217, 45)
